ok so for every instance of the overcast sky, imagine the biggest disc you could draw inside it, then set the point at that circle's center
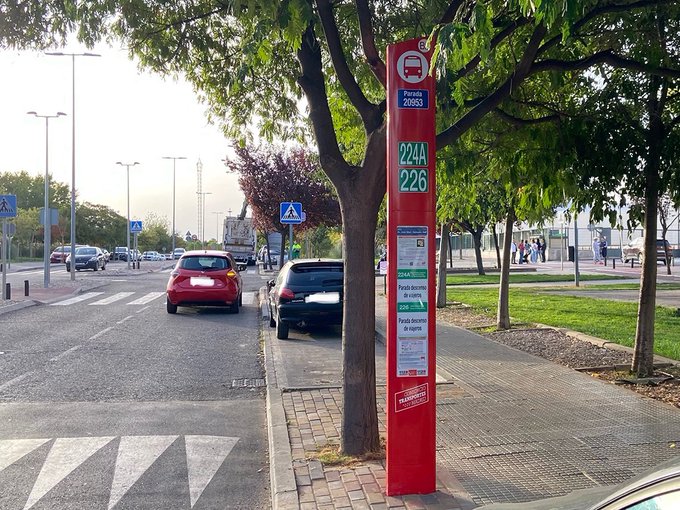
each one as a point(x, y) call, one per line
point(122, 114)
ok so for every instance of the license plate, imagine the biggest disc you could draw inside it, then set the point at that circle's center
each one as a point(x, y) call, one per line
point(327, 298)
point(198, 281)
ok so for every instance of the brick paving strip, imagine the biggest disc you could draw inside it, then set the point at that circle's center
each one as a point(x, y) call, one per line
point(313, 417)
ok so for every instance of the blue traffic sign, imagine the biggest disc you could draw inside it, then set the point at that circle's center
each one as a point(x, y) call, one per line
point(291, 213)
point(8, 206)
point(135, 226)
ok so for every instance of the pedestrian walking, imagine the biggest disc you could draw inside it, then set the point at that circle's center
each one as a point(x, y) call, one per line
point(534, 251)
point(513, 252)
point(603, 248)
point(596, 251)
point(520, 248)
point(542, 250)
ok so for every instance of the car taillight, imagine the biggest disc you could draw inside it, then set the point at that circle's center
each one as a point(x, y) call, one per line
point(285, 293)
point(231, 273)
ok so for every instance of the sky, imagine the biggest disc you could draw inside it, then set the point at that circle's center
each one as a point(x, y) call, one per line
point(122, 114)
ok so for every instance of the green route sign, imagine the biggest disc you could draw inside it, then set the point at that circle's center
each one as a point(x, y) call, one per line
point(412, 154)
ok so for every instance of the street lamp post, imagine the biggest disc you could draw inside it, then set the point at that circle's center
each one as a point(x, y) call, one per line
point(128, 165)
point(73, 140)
point(217, 226)
point(174, 160)
point(47, 217)
point(204, 193)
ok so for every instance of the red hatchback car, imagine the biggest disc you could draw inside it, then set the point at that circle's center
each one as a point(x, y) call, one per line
point(205, 278)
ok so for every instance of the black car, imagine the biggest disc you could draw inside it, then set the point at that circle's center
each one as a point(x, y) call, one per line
point(87, 257)
point(306, 291)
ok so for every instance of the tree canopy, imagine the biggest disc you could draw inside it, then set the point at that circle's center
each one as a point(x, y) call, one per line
point(252, 62)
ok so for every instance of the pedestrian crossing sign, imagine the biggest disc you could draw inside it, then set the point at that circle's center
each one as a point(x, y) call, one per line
point(291, 213)
point(8, 206)
point(135, 226)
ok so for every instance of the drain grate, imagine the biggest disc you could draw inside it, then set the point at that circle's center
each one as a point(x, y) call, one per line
point(247, 383)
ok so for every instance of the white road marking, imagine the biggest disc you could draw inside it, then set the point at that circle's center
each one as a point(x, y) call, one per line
point(15, 380)
point(248, 298)
point(14, 449)
point(142, 309)
point(65, 353)
point(97, 335)
point(77, 299)
point(147, 299)
point(205, 455)
point(64, 457)
point(135, 456)
point(125, 319)
point(112, 299)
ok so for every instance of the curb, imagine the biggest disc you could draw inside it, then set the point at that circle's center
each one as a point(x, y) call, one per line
point(284, 494)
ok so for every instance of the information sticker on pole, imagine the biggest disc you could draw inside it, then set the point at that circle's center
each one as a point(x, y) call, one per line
point(411, 342)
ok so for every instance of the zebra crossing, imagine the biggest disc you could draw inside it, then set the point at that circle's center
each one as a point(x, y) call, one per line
point(144, 299)
point(59, 462)
point(118, 296)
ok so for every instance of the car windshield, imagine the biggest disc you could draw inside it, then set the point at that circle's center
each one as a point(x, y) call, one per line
point(86, 251)
point(204, 263)
point(316, 275)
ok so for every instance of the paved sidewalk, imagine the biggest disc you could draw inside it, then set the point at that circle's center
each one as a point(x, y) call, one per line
point(510, 427)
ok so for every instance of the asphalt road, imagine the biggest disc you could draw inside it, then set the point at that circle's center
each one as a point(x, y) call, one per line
point(108, 402)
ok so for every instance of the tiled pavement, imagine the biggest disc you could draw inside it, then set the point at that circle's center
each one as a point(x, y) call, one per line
point(510, 427)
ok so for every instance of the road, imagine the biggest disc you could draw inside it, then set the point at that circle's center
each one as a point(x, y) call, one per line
point(107, 401)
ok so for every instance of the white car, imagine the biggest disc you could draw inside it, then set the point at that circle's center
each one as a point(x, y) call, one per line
point(178, 253)
point(151, 255)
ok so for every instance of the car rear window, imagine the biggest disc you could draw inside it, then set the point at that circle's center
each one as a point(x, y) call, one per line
point(204, 263)
point(316, 275)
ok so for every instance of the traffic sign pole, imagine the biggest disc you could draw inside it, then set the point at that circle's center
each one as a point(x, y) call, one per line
point(411, 342)
point(4, 261)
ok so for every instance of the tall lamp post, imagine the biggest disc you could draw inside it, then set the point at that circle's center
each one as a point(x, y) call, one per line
point(128, 165)
point(204, 193)
point(73, 140)
point(174, 160)
point(47, 217)
point(217, 226)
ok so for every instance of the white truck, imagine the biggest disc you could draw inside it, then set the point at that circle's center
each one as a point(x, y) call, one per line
point(239, 239)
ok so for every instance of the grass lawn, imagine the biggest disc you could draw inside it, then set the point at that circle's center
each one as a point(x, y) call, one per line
point(619, 286)
point(614, 321)
point(475, 279)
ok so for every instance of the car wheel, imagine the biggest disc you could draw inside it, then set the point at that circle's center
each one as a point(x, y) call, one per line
point(104, 267)
point(170, 307)
point(234, 306)
point(281, 330)
point(96, 266)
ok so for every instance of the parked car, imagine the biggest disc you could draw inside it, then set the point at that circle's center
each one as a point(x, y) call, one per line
point(205, 278)
point(120, 253)
point(306, 291)
point(107, 255)
point(87, 257)
point(178, 253)
point(656, 489)
point(635, 251)
point(60, 253)
point(151, 255)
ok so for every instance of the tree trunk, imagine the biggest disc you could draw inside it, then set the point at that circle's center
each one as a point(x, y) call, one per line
point(477, 239)
point(643, 357)
point(503, 316)
point(359, 421)
point(441, 277)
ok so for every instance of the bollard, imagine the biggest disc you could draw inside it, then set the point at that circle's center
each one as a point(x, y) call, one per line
point(8, 291)
point(632, 263)
point(613, 263)
point(25, 287)
point(605, 262)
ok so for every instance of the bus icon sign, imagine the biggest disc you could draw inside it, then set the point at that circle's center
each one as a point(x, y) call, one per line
point(412, 66)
